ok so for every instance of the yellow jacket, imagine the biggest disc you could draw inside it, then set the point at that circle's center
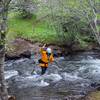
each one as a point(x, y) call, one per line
point(45, 58)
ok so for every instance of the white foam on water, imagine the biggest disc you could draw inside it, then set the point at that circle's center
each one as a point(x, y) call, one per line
point(33, 80)
point(21, 60)
point(33, 77)
point(87, 61)
point(95, 69)
point(81, 70)
point(93, 61)
point(42, 83)
point(91, 70)
point(10, 73)
point(38, 80)
point(53, 77)
point(71, 77)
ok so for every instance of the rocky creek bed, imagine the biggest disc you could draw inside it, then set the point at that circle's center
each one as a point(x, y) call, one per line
point(70, 78)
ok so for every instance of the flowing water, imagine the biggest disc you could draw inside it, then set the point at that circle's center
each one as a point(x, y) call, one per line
point(69, 78)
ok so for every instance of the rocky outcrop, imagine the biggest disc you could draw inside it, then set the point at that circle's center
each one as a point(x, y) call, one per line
point(21, 48)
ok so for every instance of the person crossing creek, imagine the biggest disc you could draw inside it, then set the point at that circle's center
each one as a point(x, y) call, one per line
point(46, 58)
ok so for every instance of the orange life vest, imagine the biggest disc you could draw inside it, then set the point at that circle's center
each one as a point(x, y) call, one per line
point(45, 58)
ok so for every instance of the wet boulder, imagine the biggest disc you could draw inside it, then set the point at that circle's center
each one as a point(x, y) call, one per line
point(18, 48)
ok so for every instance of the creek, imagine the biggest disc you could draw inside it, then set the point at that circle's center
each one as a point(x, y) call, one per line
point(70, 78)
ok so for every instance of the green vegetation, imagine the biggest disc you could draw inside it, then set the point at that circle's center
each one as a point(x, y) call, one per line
point(26, 28)
point(61, 24)
point(18, 26)
point(35, 31)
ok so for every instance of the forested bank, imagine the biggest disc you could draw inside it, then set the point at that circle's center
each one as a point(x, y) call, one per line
point(69, 24)
point(66, 23)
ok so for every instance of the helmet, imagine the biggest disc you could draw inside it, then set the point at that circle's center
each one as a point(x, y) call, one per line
point(49, 50)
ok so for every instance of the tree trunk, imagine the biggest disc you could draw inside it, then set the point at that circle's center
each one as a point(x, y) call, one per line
point(3, 89)
point(3, 31)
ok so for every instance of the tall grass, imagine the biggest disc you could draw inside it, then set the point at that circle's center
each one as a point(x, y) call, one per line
point(26, 28)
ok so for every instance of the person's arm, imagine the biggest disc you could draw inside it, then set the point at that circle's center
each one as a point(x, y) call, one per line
point(42, 48)
point(51, 58)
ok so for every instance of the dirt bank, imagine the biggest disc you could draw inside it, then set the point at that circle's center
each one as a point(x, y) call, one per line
point(23, 48)
point(94, 96)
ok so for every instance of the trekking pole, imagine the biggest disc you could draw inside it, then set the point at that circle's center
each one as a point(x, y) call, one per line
point(34, 69)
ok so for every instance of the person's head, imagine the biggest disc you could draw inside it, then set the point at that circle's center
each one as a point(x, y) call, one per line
point(49, 51)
